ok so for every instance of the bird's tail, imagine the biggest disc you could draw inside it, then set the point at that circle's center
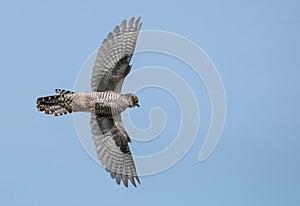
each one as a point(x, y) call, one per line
point(57, 105)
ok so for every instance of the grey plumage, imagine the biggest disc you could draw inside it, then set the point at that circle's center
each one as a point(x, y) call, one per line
point(105, 102)
point(113, 57)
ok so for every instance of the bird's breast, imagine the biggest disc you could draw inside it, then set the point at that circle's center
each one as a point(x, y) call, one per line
point(108, 103)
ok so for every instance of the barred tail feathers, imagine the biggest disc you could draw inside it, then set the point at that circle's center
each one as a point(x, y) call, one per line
point(62, 91)
point(56, 104)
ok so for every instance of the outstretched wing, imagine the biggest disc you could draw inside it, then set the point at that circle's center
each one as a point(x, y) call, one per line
point(114, 55)
point(111, 141)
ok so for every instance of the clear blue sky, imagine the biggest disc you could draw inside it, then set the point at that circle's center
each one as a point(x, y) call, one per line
point(255, 46)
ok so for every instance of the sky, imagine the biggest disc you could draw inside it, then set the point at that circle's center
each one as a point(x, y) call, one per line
point(254, 46)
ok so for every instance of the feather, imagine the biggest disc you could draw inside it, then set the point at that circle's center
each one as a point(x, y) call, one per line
point(125, 180)
point(132, 181)
point(130, 23)
point(118, 178)
point(123, 24)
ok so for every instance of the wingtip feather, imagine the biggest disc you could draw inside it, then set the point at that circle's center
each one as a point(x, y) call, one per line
point(131, 22)
point(116, 30)
point(123, 24)
point(125, 180)
point(132, 181)
point(138, 180)
point(118, 179)
point(110, 36)
point(137, 23)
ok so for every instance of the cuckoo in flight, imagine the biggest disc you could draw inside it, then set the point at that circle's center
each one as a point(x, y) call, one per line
point(105, 102)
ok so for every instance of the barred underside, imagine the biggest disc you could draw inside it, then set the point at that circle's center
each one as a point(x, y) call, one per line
point(109, 103)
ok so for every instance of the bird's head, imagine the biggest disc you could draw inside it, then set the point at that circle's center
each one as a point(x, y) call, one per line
point(133, 101)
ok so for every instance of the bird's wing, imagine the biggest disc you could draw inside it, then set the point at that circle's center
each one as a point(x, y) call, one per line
point(111, 141)
point(114, 55)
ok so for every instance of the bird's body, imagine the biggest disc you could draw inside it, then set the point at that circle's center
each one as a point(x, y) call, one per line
point(105, 102)
point(100, 103)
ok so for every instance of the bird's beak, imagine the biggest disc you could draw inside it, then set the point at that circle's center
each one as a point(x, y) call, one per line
point(137, 105)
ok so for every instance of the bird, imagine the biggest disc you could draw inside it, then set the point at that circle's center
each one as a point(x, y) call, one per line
point(105, 103)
